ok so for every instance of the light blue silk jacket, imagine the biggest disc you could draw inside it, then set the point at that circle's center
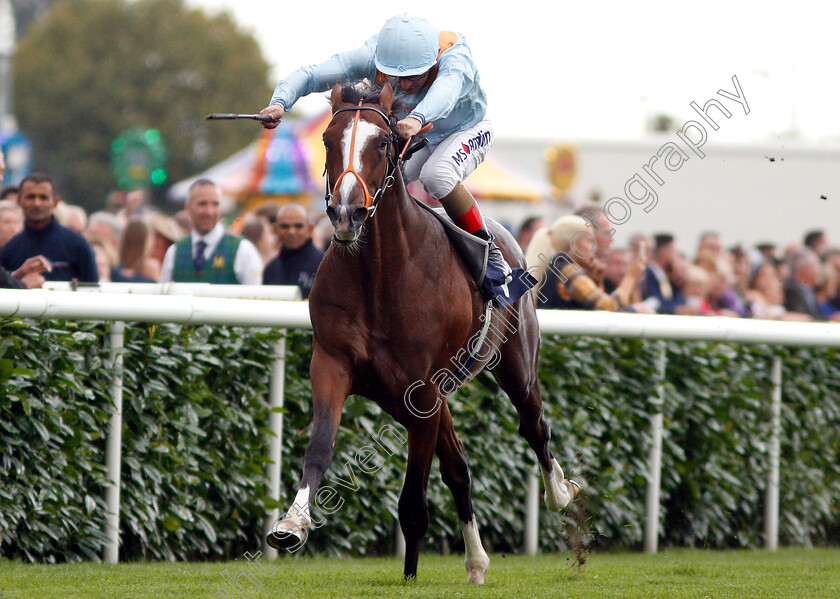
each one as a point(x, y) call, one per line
point(455, 101)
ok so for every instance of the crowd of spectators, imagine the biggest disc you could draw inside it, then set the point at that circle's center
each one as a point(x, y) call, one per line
point(43, 238)
point(579, 268)
point(575, 260)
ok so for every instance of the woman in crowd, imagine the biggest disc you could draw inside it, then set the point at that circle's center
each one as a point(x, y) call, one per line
point(696, 289)
point(562, 258)
point(765, 294)
point(135, 265)
point(106, 260)
point(827, 290)
point(258, 231)
point(724, 300)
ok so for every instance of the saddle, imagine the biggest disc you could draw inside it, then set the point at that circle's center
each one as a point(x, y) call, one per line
point(499, 287)
point(472, 249)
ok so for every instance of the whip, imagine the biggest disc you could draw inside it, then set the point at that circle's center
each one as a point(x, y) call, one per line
point(229, 116)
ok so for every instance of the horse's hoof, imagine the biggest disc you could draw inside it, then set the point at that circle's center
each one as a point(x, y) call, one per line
point(283, 540)
point(559, 491)
point(287, 535)
point(477, 568)
point(476, 576)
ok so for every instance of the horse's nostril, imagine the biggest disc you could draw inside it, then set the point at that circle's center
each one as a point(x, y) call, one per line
point(359, 214)
point(332, 214)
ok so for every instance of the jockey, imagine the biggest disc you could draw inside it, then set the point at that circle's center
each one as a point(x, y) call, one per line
point(434, 76)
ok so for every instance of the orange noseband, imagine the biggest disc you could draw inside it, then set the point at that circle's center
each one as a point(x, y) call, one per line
point(350, 169)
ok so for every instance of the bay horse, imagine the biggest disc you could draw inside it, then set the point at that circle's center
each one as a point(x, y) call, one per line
point(391, 305)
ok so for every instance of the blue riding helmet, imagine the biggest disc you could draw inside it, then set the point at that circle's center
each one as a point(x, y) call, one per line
point(406, 46)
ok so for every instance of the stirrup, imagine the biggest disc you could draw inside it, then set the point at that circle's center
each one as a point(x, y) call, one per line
point(502, 285)
point(504, 288)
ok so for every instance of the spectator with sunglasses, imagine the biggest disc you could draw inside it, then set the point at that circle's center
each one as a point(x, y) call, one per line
point(298, 258)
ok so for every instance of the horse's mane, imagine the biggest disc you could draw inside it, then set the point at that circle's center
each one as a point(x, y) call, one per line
point(368, 93)
point(363, 91)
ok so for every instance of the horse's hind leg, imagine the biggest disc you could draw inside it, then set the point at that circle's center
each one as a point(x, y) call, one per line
point(455, 473)
point(516, 372)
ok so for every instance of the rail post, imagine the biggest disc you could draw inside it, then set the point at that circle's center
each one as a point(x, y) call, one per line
point(771, 505)
point(113, 450)
point(275, 440)
point(532, 514)
point(655, 463)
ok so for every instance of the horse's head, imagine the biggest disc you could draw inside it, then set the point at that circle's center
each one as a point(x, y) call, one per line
point(361, 156)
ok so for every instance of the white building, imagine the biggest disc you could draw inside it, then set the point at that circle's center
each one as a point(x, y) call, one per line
point(748, 193)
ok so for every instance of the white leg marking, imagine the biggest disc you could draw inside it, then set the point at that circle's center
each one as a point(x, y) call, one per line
point(558, 491)
point(301, 504)
point(297, 520)
point(364, 132)
point(476, 559)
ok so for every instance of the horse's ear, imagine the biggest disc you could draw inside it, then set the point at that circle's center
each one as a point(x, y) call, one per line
point(386, 97)
point(335, 96)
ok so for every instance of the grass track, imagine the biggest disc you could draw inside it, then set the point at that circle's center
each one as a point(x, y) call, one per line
point(677, 574)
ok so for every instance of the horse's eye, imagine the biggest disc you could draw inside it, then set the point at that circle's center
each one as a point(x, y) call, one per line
point(383, 143)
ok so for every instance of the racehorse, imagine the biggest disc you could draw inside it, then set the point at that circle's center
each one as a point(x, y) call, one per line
point(391, 305)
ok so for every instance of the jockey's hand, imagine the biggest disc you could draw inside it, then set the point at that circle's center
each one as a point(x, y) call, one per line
point(409, 127)
point(275, 112)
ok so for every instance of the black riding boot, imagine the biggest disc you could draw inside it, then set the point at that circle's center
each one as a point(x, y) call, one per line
point(501, 284)
point(495, 255)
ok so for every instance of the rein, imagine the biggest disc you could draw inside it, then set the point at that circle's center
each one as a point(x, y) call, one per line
point(371, 201)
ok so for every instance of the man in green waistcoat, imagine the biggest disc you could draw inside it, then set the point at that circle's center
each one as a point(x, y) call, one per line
point(209, 254)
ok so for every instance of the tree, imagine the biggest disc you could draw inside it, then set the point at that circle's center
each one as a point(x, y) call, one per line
point(28, 10)
point(92, 69)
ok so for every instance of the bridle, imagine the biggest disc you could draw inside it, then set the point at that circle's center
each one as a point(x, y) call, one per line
point(388, 179)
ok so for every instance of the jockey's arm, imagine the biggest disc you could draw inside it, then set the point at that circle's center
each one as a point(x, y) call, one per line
point(350, 65)
point(456, 75)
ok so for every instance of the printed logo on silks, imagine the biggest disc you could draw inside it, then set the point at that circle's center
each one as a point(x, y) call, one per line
point(473, 143)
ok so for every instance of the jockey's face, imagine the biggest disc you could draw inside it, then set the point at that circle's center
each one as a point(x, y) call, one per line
point(412, 85)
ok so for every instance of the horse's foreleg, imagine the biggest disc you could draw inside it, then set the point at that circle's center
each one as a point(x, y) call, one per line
point(331, 383)
point(413, 507)
point(455, 472)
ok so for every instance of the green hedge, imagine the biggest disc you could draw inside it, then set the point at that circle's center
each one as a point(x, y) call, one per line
point(195, 445)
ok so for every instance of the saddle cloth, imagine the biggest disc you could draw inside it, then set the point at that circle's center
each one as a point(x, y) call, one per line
point(472, 249)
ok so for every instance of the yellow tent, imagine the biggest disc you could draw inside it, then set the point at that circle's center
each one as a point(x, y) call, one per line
point(492, 180)
point(243, 176)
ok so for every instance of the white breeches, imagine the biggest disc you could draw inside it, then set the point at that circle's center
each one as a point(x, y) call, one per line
point(439, 168)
